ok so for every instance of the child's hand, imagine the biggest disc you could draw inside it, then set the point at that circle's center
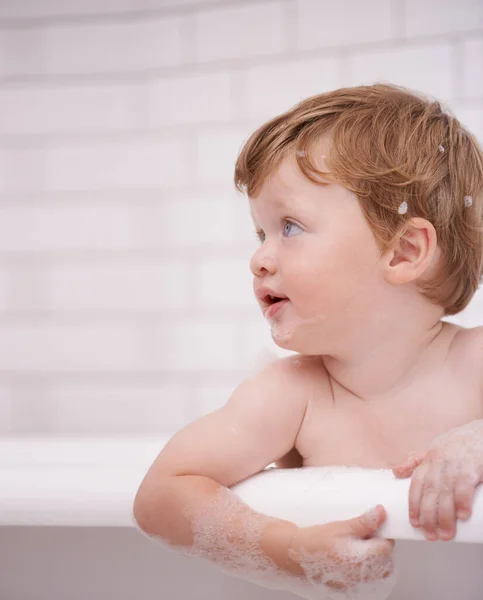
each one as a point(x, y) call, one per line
point(345, 554)
point(444, 480)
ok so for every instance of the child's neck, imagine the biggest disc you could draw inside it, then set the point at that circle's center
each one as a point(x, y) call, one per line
point(379, 364)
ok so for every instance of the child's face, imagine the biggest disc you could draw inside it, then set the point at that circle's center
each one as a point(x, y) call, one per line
point(318, 251)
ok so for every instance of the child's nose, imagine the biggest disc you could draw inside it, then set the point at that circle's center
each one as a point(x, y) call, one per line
point(263, 260)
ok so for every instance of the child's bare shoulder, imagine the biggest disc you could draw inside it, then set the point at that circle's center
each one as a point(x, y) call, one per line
point(465, 341)
point(465, 357)
point(299, 374)
point(305, 379)
point(299, 366)
point(257, 426)
point(473, 336)
point(468, 348)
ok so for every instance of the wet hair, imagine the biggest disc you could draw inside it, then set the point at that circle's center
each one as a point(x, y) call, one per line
point(389, 146)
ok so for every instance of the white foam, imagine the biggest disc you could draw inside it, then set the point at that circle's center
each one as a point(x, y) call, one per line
point(228, 533)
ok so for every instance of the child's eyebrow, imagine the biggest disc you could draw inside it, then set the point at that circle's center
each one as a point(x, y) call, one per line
point(292, 203)
point(283, 201)
point(280, 202)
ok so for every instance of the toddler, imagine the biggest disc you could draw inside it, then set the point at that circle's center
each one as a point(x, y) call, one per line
point(368, 205)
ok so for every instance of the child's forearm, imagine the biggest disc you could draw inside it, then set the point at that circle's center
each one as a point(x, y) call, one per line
point(200, 517)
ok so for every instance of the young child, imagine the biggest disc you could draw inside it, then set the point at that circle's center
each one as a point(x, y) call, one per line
point(368, 203)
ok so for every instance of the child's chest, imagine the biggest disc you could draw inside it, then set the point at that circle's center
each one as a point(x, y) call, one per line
point(382, 434)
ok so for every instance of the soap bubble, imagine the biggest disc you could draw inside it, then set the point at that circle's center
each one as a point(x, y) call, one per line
point(347, 572)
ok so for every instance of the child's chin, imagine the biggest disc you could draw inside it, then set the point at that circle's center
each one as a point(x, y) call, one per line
point(286, 345)
point(293, 342)
point(284, 338)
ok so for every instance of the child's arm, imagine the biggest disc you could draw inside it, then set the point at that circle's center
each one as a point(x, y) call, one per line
point(184, 500)
point(258, 425)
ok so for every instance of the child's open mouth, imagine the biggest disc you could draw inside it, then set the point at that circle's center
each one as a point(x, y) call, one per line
point(277, 304)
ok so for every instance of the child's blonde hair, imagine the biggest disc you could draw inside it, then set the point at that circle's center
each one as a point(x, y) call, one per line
point(389, 146)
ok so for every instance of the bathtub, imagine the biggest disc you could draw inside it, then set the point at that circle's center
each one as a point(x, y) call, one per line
point(67, 531)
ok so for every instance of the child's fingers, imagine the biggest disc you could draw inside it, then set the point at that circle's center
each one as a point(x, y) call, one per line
point(366, 525)
point(416, 494)
point(446, 507)
point(463, 495)
point(407, 468)
point(429, 501)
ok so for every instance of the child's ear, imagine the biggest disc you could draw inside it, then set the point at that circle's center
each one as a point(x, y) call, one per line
point(412, 254)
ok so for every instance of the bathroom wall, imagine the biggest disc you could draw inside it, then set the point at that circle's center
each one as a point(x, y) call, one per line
point(125, 292)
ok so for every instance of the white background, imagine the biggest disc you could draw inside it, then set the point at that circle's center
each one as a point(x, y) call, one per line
point(125, 291)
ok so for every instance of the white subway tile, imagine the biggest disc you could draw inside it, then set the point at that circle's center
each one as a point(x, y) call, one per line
point(472, 69)
point(6, 276)
point(342, 23)
point(29, 416)
point(30, 9)
point(129, 286)
point(217, 152)
point(272, 89)
point(202, 219)
point(113, 408)
point(134, 45)
point(6, 410)
point(135, 163)
point(22, 51)
point(255, 347)
point(472, 315)
point(432, 76)
point(195, 4)
point(195, 345)
point(171, 99)
point(226, 283)
point(48, 346)
point(442, 16)
point(472, 119)
point(60, 109)
point(212, 396)
point(3, 171)
point(244, 230)
point(22, 168)
point(39, 228)
point(474, 310)
point(239, 31)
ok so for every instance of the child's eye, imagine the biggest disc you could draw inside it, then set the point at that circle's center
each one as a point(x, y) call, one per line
point(288, 227)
